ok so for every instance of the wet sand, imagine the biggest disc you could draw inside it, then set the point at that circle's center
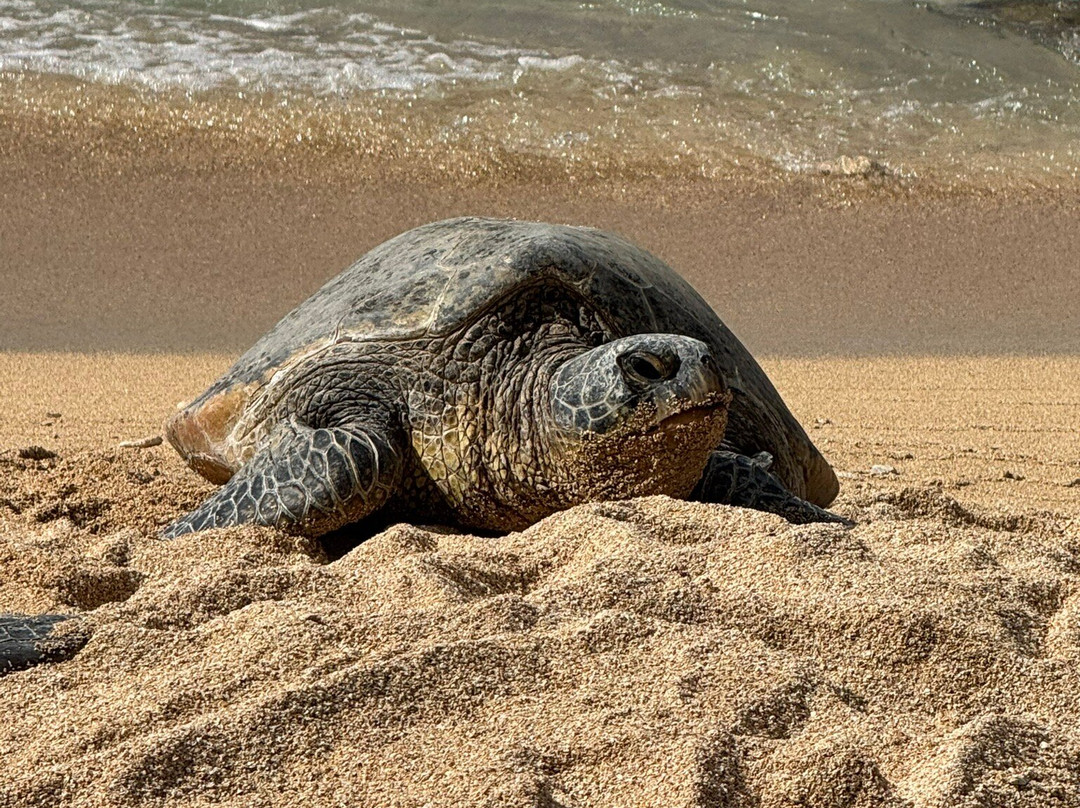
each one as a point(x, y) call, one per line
point(131, 226)
point(645, 653)
point(210, 261)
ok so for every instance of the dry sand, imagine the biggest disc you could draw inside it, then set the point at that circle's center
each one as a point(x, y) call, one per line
point(648, 653)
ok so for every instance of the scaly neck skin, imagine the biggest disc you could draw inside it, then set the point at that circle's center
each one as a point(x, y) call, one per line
point(519, 477)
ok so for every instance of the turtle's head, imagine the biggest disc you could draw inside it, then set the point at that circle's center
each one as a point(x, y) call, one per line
point(640, 415)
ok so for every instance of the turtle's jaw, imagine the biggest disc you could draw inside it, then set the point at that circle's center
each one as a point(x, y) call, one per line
point(643, 454)
point(692, 412)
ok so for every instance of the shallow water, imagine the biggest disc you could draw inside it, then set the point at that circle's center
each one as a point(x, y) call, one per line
point(975, 89)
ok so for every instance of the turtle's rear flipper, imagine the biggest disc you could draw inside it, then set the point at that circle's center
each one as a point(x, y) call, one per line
point(735, 479)
point(27, 640)
point(308, 480)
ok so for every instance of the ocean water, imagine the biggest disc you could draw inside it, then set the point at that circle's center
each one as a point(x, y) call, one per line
point(803, 85)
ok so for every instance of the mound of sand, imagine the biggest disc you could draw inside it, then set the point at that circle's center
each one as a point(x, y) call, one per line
point(644, 653)
point(652, 652)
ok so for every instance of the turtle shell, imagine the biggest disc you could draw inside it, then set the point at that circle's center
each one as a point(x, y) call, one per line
point(436, 278)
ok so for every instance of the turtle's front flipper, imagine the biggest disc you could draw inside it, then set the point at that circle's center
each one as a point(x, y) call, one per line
point(735, 479)
point(27, 640)
point(308, 480)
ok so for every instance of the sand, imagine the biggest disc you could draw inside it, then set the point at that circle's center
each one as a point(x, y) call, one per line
point(652, 652)
point(131, 225)
point(647, 653)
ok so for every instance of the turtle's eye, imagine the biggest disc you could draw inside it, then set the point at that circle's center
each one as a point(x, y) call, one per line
point(643, 369)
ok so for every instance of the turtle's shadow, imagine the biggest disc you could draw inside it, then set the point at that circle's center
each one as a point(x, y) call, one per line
point(340, 542)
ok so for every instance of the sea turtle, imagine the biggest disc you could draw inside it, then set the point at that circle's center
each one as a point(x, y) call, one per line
point(489, 373)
